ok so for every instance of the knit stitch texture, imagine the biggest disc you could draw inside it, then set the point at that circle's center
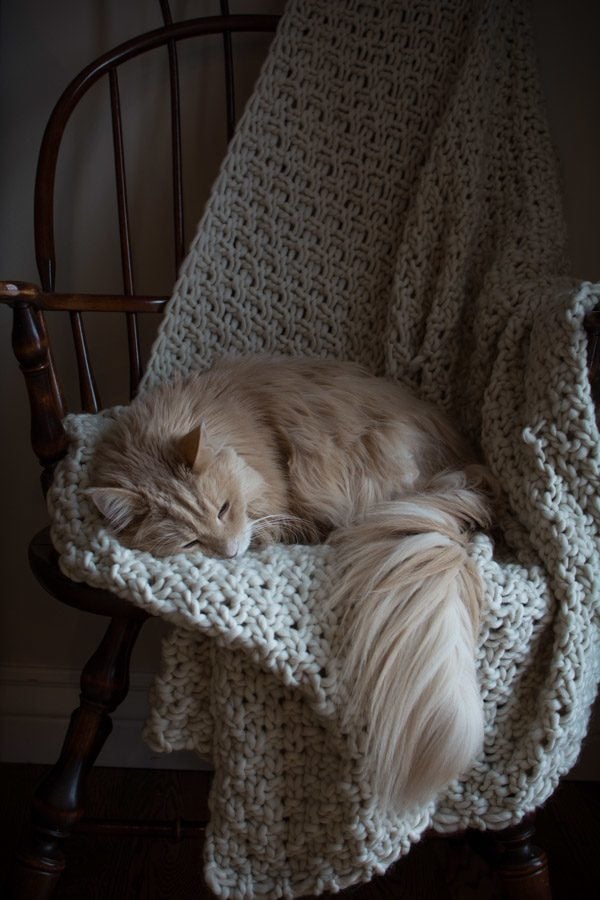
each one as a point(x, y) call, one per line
point(390, 196)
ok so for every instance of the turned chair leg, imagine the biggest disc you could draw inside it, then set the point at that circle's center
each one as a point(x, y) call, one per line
point(522, 867)
point(58, 801)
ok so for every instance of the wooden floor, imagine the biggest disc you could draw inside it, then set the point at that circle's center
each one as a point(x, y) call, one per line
point(141, 868)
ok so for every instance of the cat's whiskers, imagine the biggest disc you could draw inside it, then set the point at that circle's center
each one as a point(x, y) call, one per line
point(292, 526)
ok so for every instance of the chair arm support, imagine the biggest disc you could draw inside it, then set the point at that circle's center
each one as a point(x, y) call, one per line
point(14, 291)
point(32, 350)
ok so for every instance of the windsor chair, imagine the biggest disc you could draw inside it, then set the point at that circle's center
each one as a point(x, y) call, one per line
point(58, 802)
point(57, 805)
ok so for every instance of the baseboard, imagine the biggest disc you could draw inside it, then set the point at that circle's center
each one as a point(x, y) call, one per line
point(35, 708)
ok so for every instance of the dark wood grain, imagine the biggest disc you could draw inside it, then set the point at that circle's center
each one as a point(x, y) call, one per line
point(88, 390)
point(13, 293)
point(229, 74)
point(522, 865)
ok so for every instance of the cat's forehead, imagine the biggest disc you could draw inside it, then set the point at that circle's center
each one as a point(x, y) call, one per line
point(185, 496)
point(175, 489)
point(214, 479)
point(192, 496)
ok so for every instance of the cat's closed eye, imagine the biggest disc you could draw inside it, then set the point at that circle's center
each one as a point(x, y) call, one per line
point(194, 543)
point(224, 510)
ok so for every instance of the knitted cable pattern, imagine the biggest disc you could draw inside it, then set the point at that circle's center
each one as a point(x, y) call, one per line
point(390, 196)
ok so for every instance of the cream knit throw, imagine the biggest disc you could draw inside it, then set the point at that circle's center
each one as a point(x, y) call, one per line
point(390, 196)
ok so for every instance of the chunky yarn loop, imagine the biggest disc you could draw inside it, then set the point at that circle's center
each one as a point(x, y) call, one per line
point(390, 196)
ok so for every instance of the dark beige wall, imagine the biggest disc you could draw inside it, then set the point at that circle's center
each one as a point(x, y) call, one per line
point(567, 43)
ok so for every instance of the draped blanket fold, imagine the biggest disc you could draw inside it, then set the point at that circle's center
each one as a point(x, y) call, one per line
point(390, 196)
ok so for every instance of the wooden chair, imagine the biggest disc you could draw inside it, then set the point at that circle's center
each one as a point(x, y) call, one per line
point(57, 805)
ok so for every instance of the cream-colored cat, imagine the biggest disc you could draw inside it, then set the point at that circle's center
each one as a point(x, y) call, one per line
point(259, 450)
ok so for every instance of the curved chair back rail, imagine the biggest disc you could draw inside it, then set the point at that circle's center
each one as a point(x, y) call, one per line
point(108, 64)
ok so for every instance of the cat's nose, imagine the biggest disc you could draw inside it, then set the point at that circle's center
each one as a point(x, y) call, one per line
point(231, 549)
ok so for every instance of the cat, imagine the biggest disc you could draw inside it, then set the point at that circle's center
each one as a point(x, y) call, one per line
point(262, 449)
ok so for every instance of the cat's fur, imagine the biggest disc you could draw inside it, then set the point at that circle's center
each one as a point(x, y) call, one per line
point(259, 450)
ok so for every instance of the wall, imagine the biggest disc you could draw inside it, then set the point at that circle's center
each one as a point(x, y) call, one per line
point(42, 644)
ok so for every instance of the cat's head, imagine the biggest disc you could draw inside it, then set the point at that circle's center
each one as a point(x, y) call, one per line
point(187, 496)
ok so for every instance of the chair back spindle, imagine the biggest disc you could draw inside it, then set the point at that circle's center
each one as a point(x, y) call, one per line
point(176, 155)
point(229, 74)
point(176, 151)
point(133, 337)
point(88, 390)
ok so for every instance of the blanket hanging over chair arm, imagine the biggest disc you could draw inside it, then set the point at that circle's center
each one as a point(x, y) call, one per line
point(390, 196)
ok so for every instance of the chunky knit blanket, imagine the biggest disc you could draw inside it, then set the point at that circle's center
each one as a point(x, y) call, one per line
point(390, 196)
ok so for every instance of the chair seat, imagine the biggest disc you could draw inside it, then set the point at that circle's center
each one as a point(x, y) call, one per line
point(43, 560)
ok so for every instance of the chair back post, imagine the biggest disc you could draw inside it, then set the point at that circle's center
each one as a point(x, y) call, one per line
point(32, 350)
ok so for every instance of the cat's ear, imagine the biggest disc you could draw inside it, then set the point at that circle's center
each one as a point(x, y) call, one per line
point(193, 447)
point(118, 505)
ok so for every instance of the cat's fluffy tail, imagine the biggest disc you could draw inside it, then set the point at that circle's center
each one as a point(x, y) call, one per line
point(408, 658)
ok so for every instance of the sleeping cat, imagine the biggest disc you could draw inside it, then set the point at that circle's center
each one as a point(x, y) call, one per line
point(261, 449)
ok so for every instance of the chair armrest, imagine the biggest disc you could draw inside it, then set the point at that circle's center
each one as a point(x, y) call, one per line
point(32, 350)
point(12, 292)
point(17, 291)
